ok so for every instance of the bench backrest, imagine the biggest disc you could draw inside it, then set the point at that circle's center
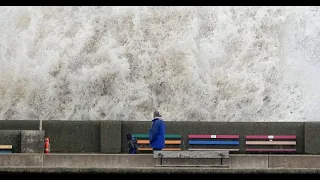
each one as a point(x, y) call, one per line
point(207, 142)
point(173, 142)
point(271, 143)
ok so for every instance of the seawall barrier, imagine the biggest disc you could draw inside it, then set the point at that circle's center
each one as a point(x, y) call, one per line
point(108, 137)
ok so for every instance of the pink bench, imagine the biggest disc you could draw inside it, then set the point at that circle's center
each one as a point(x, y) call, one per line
point(271, 143)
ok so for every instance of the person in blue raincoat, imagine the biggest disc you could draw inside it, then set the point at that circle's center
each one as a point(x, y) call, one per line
point(157, 132)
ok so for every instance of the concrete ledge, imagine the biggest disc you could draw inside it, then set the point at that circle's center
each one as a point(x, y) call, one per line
point(21, 159)
point(240, 161)
point(294, 161)
point(247, 161)
point(154, 171)
point(98, 160)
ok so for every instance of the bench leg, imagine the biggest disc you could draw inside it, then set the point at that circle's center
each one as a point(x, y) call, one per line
point(158, 161)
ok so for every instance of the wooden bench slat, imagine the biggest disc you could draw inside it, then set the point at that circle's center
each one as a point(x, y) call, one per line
point(165, 149)
point(5, 151)
point(198, 149)
point(270, 137)
point(270, 142)
point(191, 154)
point(166, 142)
point(214, 142)
point(271, 150)
point(167, 136)
point(208, 136)
point(5, 146)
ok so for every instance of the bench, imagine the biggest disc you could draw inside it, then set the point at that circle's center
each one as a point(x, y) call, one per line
point(172, 141)
point(203, 156)
point(271, 143)
point(204, 142)
point(5, 149)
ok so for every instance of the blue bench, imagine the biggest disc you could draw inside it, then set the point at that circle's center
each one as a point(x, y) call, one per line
point(202, 142)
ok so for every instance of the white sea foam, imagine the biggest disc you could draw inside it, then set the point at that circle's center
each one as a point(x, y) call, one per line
point(189, 63)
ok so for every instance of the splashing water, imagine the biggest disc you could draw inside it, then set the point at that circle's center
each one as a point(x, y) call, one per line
point(189, 63)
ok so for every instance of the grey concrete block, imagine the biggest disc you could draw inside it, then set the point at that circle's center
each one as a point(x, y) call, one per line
point(243, 161)
point(20, 160)
point(312, 137)
point(73, 136)
point(11, 137)
point(98, 160)
point(32, 141)
point(19, 125)
point(110, 137)
point(294, 161)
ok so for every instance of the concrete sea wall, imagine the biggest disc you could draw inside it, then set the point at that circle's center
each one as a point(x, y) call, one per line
point(109, 136)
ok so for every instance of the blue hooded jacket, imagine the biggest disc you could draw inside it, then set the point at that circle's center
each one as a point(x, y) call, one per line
point(157, 133)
